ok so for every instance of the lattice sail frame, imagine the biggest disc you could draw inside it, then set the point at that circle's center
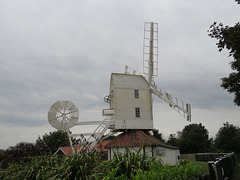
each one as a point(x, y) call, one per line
point(150, 50)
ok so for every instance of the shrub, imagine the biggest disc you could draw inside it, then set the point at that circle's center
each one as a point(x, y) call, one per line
point(87, 166)
point(156, 171)
point(52, 167)
point(124, 164)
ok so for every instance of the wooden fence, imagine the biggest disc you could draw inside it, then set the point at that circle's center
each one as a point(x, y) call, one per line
point(208, 156)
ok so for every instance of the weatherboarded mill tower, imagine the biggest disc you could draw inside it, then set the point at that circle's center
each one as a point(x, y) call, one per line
point(130, 102)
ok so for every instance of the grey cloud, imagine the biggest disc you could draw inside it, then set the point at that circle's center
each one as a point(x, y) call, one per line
point(57, 50)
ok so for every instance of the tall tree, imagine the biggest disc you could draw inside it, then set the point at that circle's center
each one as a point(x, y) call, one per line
point(228, 138)
point(42, 147)
point(57, 139)
point(194, 139)
point(229, 38)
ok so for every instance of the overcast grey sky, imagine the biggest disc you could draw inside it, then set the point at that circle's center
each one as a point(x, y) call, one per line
point(54, 50)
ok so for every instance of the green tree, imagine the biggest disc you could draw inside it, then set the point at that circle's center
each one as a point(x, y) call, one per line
point(174, 140)
point(1, 155)
point(42, 147)
point(194, 139)
point(22, 149)
point(228, 138)
point(229, 38)
point(158, 135)
point(19, 152)
point(57, 139)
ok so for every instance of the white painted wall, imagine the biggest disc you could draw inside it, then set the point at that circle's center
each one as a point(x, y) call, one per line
point(169, 156)
point(124, 103)
point(148, 151)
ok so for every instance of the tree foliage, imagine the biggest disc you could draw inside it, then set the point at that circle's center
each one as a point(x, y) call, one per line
point(158, 135)
point(229, 38)
point(18, 153)
point(174, 139)
point(228, 138)
point(54, 140)
point(41, 146)
point(194, 138)
point(57, 139)
point(2, 154)
point(47, 145)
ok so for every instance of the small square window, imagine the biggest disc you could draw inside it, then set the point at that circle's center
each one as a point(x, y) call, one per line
point(137, 112)
point(136, 93)
point(160, 152)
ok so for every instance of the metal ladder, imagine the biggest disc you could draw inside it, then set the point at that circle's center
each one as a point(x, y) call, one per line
point(94, 138)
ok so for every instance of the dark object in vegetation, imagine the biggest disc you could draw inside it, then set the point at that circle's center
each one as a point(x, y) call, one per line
point(222, 168)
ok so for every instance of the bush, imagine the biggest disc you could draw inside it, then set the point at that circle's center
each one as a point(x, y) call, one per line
point(124, 164)
point(182, 171)
point(87, 166)
point(138, 166)
point(159, 172)
point(52, 167)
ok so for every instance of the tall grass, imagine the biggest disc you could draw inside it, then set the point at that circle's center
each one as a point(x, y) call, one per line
point(52, 167)
point(88, 166)
point(124, 164)
point(138, 166)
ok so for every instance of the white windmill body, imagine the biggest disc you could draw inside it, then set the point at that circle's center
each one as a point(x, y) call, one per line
point(130, 102)
point(130, 96)
point(130, 99)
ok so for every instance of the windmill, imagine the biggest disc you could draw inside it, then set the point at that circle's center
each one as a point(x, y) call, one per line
point(129, 99)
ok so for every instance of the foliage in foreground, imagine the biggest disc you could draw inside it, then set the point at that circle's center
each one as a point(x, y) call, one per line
point(131, 166)
point(156, 171)
point(52, 167)
point(124, 164)
point(182, 171)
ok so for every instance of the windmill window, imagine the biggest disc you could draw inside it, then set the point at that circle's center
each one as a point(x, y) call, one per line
point(137, 112)
point(136, 94)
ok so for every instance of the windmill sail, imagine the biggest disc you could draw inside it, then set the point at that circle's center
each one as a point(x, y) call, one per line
point(150, 68)
point(150, 50)
point(180, 106)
